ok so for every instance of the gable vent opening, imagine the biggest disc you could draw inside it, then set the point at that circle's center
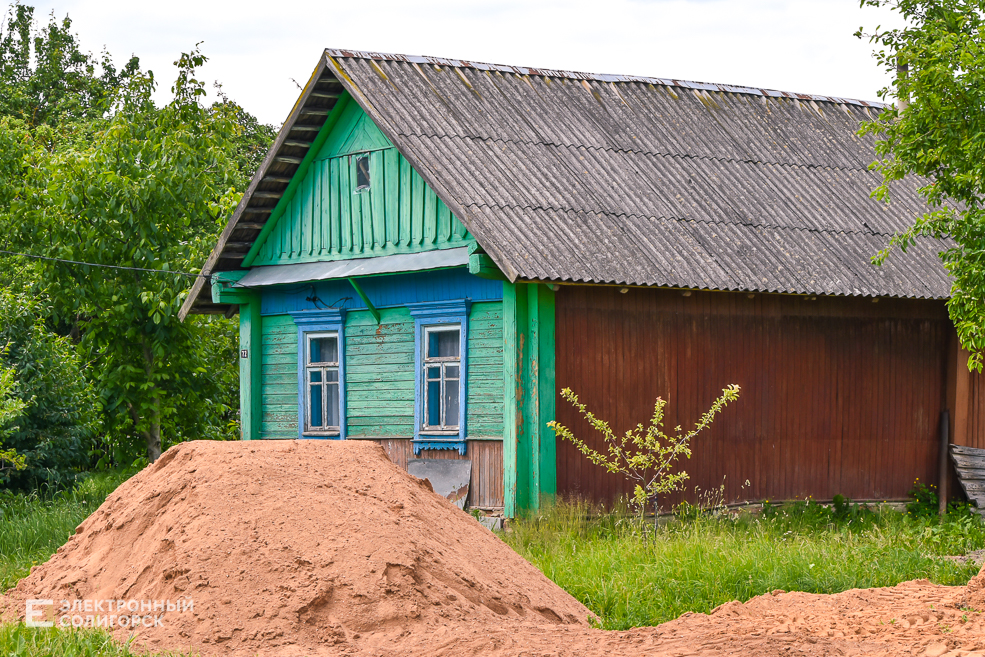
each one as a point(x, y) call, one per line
point(362, 172)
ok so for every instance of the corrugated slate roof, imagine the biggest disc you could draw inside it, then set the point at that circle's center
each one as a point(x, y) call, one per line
point(565, 176)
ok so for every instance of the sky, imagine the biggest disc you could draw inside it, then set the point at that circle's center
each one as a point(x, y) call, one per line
point(262, 51)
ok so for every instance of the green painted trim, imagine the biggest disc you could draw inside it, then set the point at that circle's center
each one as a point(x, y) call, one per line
point(529, 445)
point(297, 178)
point(547, 393)
point(511, 419)
point(362, 295)
point(482, 265)
point(224, 292)
point(250, 373)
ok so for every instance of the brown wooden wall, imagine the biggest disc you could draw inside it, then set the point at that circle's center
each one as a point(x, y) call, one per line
point(839, 395)
point(486, 485)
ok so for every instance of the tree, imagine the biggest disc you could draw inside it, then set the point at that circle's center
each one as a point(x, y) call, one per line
point(46, 77)
point(146, 190)
point(936, 131)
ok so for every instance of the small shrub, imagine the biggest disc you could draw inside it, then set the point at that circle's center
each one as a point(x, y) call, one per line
point(644, 456)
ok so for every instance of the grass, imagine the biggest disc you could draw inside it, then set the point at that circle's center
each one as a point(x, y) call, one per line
point(16, 640)
point(32, 527)
point(699, 561)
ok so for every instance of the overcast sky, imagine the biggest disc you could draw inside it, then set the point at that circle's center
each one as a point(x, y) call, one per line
point(256, 49)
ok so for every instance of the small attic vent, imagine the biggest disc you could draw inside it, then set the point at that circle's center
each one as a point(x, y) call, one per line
point(362, 172)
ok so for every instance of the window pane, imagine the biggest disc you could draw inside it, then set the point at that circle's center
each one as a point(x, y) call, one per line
point(443, 344)
point(451, 371)
point(315, 408)
point(433, 404)
point(314, 376)
point(324, 350)
point(332, 375)
point(434, 373)
point(333, 405)
point(451, 403)
point(362, 172)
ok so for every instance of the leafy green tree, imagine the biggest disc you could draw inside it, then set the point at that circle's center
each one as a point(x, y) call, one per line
point(936, 130)
point(146, 190)
point(45, 77)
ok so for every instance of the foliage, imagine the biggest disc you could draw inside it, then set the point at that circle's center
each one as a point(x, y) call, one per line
point(698, 563)
point(10, 409)
point(145, 189)
point(644, 456)
point(46, 77)
point(59, 416)
point(937, 65)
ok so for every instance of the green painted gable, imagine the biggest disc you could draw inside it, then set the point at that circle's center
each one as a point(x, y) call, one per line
point(327, 218)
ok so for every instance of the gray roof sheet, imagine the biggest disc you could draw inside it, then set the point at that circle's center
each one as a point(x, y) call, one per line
point(567, 176)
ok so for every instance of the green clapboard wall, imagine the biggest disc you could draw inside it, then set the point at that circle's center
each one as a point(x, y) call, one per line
point(379, 374)
point(328, 219)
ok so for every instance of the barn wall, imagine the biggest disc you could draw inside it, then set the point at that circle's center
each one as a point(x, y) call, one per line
point(839, 396)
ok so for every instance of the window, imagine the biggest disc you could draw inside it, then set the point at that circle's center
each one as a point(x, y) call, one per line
point(442, 373)
point(362, 172)
point(321, 373)
point(441, 352)
point(322, 383)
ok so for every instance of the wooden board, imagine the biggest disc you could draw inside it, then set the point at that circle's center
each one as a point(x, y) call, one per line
point(969, 463)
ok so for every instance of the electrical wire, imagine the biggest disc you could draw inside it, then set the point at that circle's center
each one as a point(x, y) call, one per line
point(94, 264)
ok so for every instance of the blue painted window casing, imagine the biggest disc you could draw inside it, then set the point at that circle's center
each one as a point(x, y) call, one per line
point(313, 324)
point(434, 320)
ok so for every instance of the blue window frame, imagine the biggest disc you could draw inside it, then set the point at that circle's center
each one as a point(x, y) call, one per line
point(441, 357)
point(321, 373)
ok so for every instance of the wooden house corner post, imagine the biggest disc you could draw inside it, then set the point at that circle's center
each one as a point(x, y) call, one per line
point(529, 461)
point(958, 405)
point(546, 395)
point(250, 361)
point(250, 348)
point(514, 316)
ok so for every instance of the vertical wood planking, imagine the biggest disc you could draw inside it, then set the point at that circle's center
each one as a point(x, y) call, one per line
point(840, 396)
point(279, 378)
point(486, 483)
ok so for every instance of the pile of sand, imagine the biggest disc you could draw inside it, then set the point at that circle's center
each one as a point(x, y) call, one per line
point(296, 547)
point(326, 548)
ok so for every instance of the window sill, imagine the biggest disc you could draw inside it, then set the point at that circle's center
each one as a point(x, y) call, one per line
point(425, 432)
point(434, 440)
point(320, 434)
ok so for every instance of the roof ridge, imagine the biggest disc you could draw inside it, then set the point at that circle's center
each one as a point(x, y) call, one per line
point(600, 77)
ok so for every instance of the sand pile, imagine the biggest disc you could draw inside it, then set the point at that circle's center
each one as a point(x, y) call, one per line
point(294, 548)
point(324, 548)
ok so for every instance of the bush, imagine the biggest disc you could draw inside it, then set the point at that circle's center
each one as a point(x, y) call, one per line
point(57, 428)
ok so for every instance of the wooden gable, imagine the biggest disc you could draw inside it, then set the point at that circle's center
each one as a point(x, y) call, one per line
point(328, 218)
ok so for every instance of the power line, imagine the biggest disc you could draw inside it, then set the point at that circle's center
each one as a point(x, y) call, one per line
point(94, 264)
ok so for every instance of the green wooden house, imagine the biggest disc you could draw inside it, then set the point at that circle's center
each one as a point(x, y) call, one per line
point(432, 248)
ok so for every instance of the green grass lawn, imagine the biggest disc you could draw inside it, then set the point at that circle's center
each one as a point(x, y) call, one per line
point(699, 561)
